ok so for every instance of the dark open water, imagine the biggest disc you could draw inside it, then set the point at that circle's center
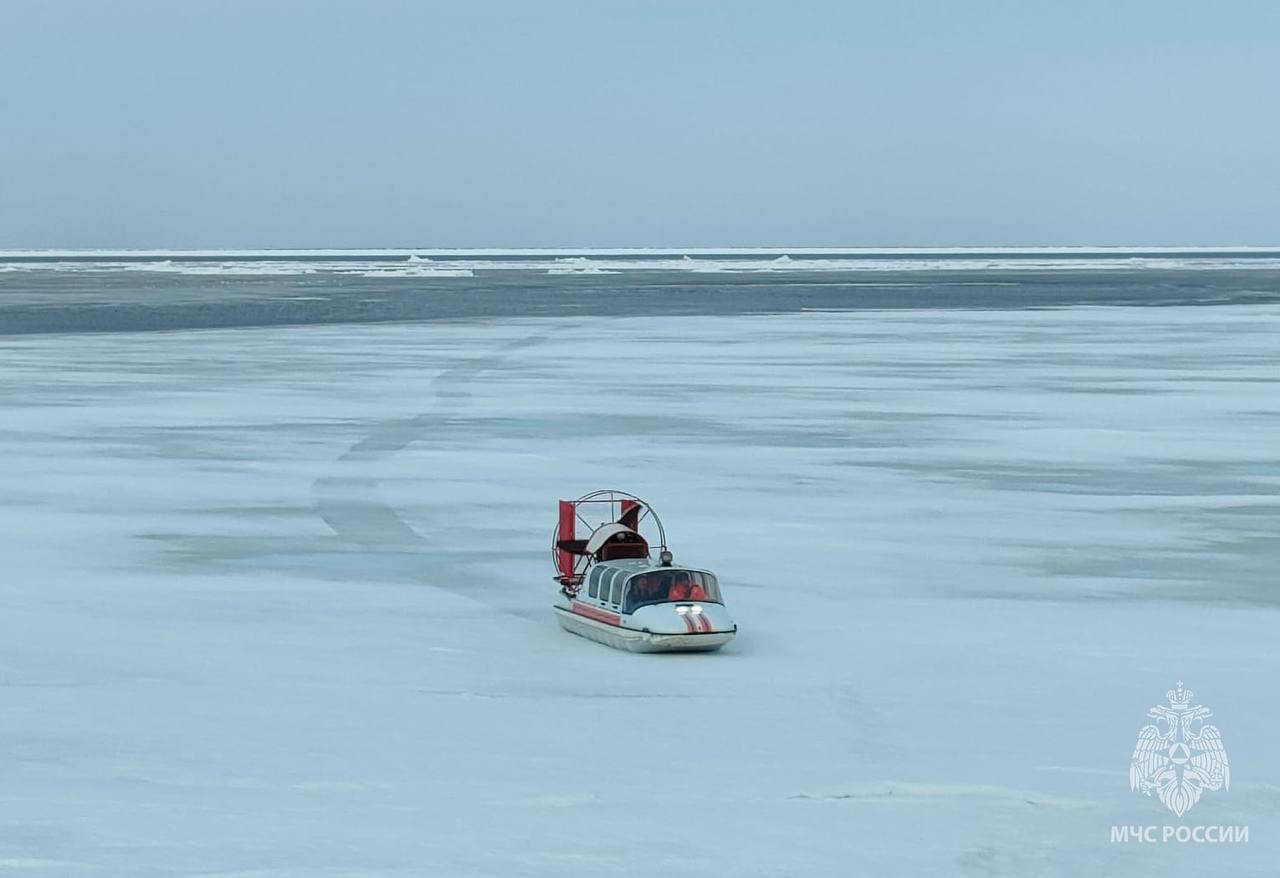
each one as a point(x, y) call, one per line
point(129, 294)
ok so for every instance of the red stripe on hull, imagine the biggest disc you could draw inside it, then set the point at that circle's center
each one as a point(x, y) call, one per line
point(595, 613)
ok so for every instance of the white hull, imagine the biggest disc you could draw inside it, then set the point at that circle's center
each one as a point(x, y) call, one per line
point(640, 641)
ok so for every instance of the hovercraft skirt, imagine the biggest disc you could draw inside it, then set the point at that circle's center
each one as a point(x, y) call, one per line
point(632, 640)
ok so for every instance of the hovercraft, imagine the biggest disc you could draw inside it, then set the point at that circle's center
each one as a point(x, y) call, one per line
point(614, 592)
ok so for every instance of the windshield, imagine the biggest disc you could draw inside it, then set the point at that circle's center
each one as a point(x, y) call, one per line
point(656, 587)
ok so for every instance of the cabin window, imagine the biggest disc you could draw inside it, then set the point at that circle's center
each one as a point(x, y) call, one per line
point(710, 587)
point(617, 588)
point(610, 574)
point(641, 590)
point(593, 582)
point(667, 585)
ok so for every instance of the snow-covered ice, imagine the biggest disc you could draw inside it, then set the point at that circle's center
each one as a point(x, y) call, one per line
point(276, 601)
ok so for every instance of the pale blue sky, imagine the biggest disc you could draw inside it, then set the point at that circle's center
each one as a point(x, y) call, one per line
point(236, 124)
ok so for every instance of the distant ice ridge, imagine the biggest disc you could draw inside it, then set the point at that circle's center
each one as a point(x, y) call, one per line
point(414, 271)
point(589, 252)
point(411, 268)
point(579, 265)
point(465, 263)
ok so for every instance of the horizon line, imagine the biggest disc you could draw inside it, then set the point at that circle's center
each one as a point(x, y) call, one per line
point(196, 252)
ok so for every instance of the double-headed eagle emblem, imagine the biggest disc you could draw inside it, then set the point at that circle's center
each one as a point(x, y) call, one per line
point(1180, 756)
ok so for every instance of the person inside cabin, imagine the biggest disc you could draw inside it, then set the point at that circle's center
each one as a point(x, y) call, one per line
point(685, 589)
point(641, 591)
point(696, 591)
point(658, 586)
point(679, 588)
